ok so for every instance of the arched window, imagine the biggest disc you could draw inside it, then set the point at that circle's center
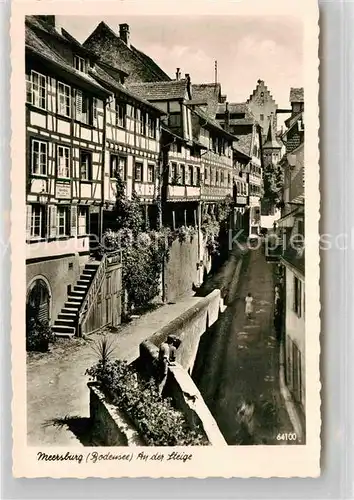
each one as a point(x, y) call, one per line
point(38, 301)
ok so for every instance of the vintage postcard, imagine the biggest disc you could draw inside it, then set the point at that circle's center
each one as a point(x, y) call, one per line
point(165, 192)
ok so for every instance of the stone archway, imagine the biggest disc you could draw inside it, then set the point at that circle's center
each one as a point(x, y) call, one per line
point(38, 304)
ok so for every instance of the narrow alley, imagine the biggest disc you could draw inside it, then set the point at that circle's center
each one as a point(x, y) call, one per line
point(237, 369)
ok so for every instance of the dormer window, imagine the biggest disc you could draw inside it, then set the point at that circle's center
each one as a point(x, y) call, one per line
point(79, 64)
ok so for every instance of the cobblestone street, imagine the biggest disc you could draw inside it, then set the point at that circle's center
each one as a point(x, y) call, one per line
point(238, 366)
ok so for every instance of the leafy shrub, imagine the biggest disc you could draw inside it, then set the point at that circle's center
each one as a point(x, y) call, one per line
point(38, 333)
point(155, 418)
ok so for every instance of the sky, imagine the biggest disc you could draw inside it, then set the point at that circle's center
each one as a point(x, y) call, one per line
point(246, 48)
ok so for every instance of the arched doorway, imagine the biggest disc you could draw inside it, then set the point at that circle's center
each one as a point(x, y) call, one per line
point(39, 301)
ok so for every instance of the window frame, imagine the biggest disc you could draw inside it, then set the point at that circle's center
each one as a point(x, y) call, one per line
point(42, 219)
point(81, 61)
point(39, 142)
point(60, 175)
point(151, 168)
point(62, 94)
point(120, 109)
point(297, 304)
point(79, 218)
point(33, 93)
point(88, 177)
point(139, 164)
point(65, 212)
point(118, 168)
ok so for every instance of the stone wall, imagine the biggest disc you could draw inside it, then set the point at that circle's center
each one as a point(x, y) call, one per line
point(181, 269)
point(59, 273)
point(185, 395)
point(190, 326)
point(110, 426)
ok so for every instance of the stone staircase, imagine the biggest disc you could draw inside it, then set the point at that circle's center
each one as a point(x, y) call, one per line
point(66, 323)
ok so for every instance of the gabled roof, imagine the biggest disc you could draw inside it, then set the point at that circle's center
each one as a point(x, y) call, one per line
point(160, 91)
point(37, 46)
point(233, 107)
point(208, 92)
point(244, 143)
point(104, 42)
point(40, 24)
point(296, 94)
point(210, 121)
point(102, 76)
point(271, 141)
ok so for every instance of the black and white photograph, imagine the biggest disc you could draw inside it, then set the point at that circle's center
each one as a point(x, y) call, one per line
point(164, 180)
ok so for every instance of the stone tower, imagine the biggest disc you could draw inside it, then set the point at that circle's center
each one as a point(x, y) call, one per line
point(263, 107)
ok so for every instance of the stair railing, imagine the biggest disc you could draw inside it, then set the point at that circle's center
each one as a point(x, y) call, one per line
point(91, 295)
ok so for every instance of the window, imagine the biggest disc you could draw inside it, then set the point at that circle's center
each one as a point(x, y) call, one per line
point(174, 120)
point(85, 165)
point(79, 64)
point(261, 117)
point(174, 173)
point(222, 178)
point(121, 112)
point(140, 118)
point(37, 221)
point(64, 99)
point(229, 179)
point(297, 296)
point(36, 90)
point(151, 127)
point(191, 175)
point(183, 174)
point(83, 108)
point(151, 173)
point(198, 177)
point(82, 220)
point(94, 108)
point(63, 155)
point(138, 172)
point(39, 157)
point(216, 177)
point(205, 174)
point(118, 164)
point(62, 221)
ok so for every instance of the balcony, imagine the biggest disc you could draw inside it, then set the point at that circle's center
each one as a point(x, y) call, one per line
point(241, 200)
point(183, 193)
point(211, 193)
point(145, 190)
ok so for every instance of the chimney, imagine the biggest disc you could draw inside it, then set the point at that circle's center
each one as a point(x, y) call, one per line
point(124, 33)
point(178, 74)
point(189, 86)
point(51, 21)
point(227, 117)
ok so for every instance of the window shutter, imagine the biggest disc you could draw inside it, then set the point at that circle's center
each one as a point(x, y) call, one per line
point(78, 104)
point(52, 221)
point(73, 221)
point(28, 221)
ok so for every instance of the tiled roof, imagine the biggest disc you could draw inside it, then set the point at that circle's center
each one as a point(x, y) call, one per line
point(296, 94)
point(208, 92)
point(211, 121)
point(41, 49)
point(160, 91)
point(244, 143)
point(104, 42)
point(296, 258)
point(234, 107)
point(241, 121)
point(100, 74)
point(271, 141)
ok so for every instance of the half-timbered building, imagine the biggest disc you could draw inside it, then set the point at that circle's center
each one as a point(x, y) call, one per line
point(132, 139)
point(65, 127)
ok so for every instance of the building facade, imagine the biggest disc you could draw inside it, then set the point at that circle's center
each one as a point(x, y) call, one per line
point(238, 120)
point(65, 114)
point(263, 107)
point(292, 230)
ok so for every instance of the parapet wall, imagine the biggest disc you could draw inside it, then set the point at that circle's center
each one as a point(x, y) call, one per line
point(190, 326)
